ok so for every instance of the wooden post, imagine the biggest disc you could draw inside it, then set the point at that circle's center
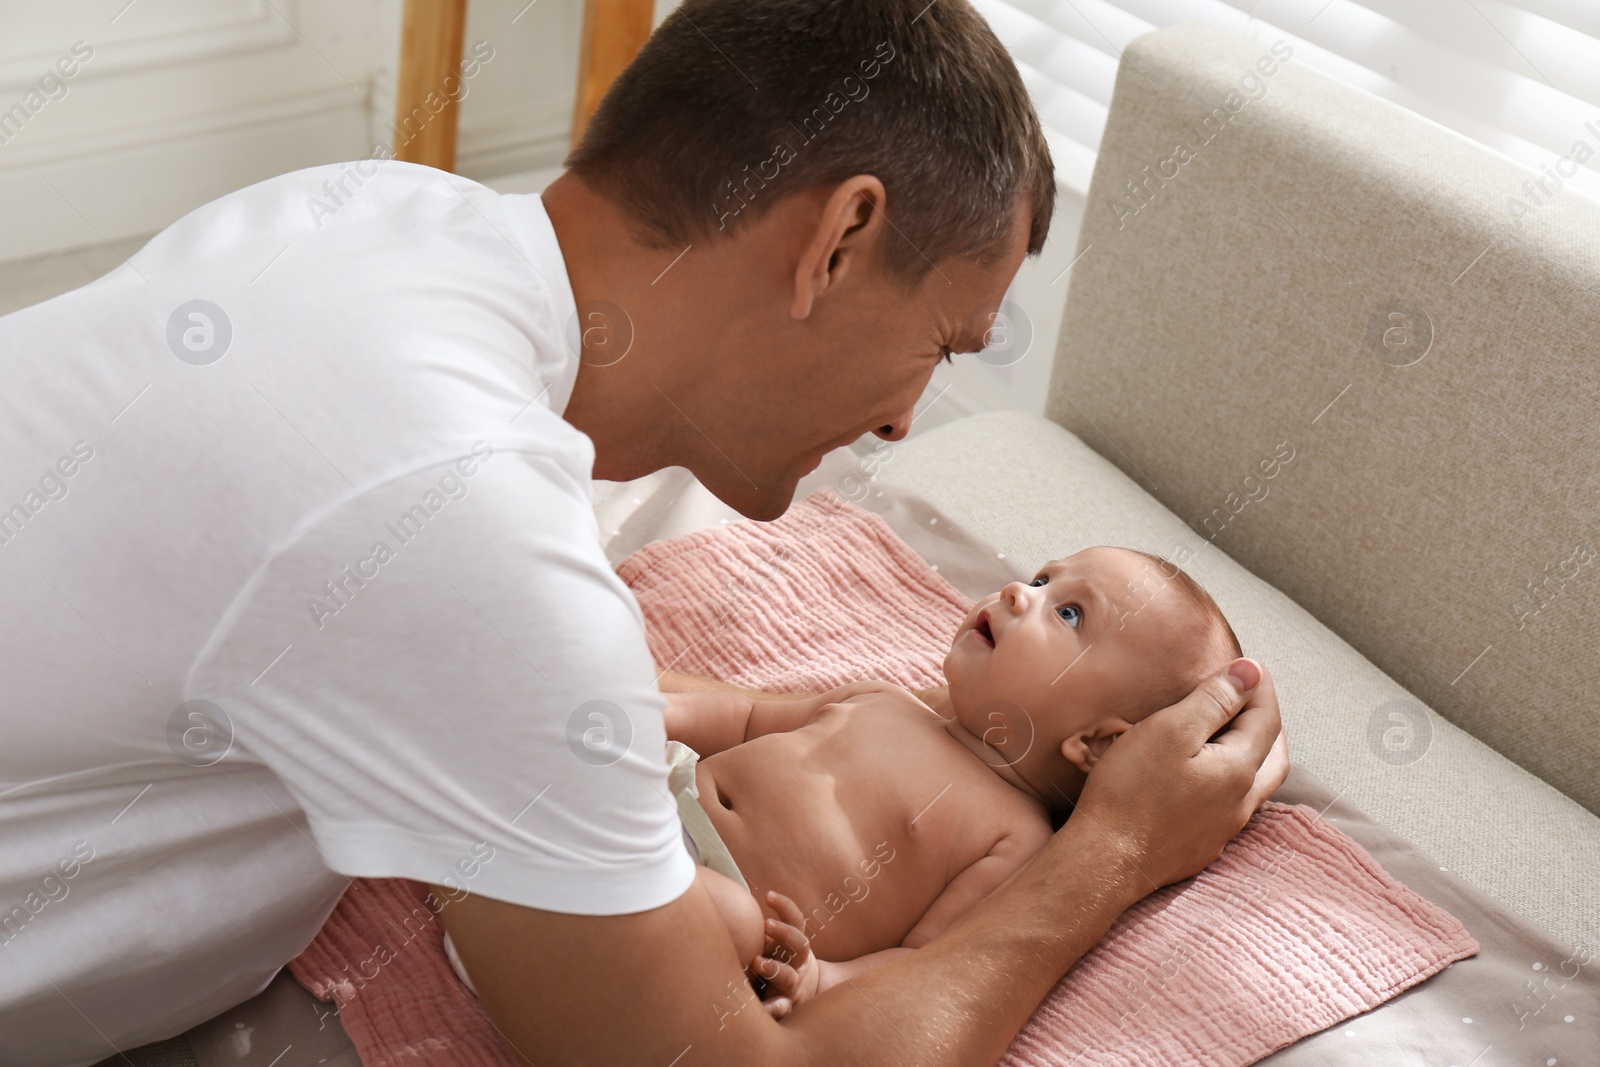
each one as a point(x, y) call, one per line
point(431, 38)
point(613, 33)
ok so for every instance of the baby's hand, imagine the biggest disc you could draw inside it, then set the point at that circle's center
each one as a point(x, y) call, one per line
point(786, 964)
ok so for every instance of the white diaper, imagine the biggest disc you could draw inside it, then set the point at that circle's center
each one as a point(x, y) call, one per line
point(455, 963)
point(700, 836)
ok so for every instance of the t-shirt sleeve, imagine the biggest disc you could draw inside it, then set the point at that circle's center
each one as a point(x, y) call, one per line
point(452, 681)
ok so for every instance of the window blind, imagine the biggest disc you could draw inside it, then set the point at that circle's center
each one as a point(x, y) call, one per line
point(1521, 76)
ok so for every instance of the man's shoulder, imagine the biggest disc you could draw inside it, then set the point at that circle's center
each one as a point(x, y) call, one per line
point(347, 225)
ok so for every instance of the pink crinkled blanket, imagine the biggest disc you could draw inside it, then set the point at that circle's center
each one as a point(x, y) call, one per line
point(1294, 929)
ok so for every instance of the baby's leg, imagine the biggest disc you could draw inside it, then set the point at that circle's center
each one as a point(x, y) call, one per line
point(739, 910)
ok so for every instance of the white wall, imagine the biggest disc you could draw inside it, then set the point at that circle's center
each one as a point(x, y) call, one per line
point(180, 101)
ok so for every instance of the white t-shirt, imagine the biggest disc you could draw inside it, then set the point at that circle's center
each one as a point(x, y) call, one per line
point(300, 583)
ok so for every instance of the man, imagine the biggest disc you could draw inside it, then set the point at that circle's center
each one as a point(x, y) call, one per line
point(305, 583)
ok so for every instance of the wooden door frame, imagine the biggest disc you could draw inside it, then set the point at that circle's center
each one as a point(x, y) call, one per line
point(431, 37)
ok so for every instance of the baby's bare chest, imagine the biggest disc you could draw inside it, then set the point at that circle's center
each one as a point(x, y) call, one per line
point(870, 772)
point(863, 817)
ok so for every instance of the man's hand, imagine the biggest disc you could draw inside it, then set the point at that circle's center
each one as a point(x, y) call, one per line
point(1179, 785)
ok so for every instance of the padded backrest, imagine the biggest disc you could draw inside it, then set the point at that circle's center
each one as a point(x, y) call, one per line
point(1358, 353)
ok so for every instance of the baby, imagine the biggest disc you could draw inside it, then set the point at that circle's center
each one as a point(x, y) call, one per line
point(867, 820)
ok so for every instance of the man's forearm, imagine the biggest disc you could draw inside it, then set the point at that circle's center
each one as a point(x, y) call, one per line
point(958, 1001)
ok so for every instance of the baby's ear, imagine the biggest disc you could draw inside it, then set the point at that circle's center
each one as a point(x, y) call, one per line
point(1084, 750)
point(1077, 753)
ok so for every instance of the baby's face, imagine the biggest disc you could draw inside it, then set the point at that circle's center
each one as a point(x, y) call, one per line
point(1042, 661)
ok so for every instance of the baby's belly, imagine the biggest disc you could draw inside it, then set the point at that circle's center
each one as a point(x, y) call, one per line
point(842, 854)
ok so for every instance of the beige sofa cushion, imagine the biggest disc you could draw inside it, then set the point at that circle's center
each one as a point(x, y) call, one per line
point(1037, 492)
point(1440, 515)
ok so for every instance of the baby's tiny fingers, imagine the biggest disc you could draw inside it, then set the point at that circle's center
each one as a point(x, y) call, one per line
point(778, 1007)
point(784, 981)
point(786, 909)
point(788, 937)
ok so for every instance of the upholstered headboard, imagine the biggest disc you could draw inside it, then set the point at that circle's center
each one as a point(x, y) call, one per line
point(1360, 354)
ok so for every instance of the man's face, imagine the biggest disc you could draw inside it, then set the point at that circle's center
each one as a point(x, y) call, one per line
point(791, 389)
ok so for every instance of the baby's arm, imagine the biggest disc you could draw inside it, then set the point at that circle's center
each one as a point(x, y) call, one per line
point(800, 975)
point(792, 970)
point(1004, 858)
point(711, 720)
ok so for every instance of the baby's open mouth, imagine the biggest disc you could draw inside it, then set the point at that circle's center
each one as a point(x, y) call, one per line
point(982, 627)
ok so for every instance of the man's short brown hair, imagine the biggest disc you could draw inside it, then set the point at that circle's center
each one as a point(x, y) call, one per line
point(733, 104)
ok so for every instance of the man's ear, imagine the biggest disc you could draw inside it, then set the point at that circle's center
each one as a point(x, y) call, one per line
point(1083, 750)
point(851, 222)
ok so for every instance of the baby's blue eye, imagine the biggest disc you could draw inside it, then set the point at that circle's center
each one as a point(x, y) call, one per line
point(1069, 612)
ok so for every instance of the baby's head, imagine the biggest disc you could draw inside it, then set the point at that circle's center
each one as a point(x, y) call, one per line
point(1050, 671)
